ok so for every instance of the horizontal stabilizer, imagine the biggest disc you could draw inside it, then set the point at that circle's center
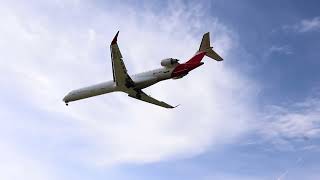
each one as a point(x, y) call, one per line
point(212, 54)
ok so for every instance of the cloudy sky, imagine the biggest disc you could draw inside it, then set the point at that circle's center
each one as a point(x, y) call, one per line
point(254, 116)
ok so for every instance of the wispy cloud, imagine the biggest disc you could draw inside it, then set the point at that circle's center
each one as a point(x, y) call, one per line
point(283, 175)
point(56, 56)
point(305, 25)
point(52, 47)
point(18, 165)
point(284, 125)
point(284, 49)
point(233, 177)
point(309, 24)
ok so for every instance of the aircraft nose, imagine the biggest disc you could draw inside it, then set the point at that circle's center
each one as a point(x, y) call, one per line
point(66, 98)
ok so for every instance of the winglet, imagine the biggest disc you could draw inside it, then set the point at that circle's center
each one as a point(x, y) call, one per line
point(114, 41)
point(176, 106)
point(172, 107)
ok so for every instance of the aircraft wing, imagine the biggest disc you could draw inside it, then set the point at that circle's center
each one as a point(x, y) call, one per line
point(120, 75)
point(140, 95)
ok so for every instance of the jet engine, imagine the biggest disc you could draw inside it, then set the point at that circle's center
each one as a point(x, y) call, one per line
point(169, 62)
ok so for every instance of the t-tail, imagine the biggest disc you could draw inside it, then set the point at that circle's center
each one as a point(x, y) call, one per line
point(205, 47)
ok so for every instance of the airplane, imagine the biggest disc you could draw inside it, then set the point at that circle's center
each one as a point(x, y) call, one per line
point(133, 85)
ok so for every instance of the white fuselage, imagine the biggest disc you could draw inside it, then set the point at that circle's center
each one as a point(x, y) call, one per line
point(141, 80)
point(133, 85)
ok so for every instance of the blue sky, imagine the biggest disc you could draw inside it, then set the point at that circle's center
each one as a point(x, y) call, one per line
point(255, 115)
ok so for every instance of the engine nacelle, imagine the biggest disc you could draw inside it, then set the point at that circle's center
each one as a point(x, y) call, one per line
point(169, 62)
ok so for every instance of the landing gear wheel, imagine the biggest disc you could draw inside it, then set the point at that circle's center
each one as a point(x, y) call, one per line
point(67, 104)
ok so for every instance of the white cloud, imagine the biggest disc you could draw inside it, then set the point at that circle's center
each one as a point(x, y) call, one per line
point(284, 49)
point(17, 165)
point(309, 24)
point(45, 53)
point(305, 25)
point(233, 177)
point(48, 57)
point(284, 125)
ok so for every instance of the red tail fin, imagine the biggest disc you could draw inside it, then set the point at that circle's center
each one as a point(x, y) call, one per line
point(196, 59)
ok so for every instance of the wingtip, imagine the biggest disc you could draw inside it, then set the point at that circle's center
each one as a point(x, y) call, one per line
point(114, 41)
point(172, 107)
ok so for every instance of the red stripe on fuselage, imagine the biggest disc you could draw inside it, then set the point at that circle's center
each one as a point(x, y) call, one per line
point(194, 62)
